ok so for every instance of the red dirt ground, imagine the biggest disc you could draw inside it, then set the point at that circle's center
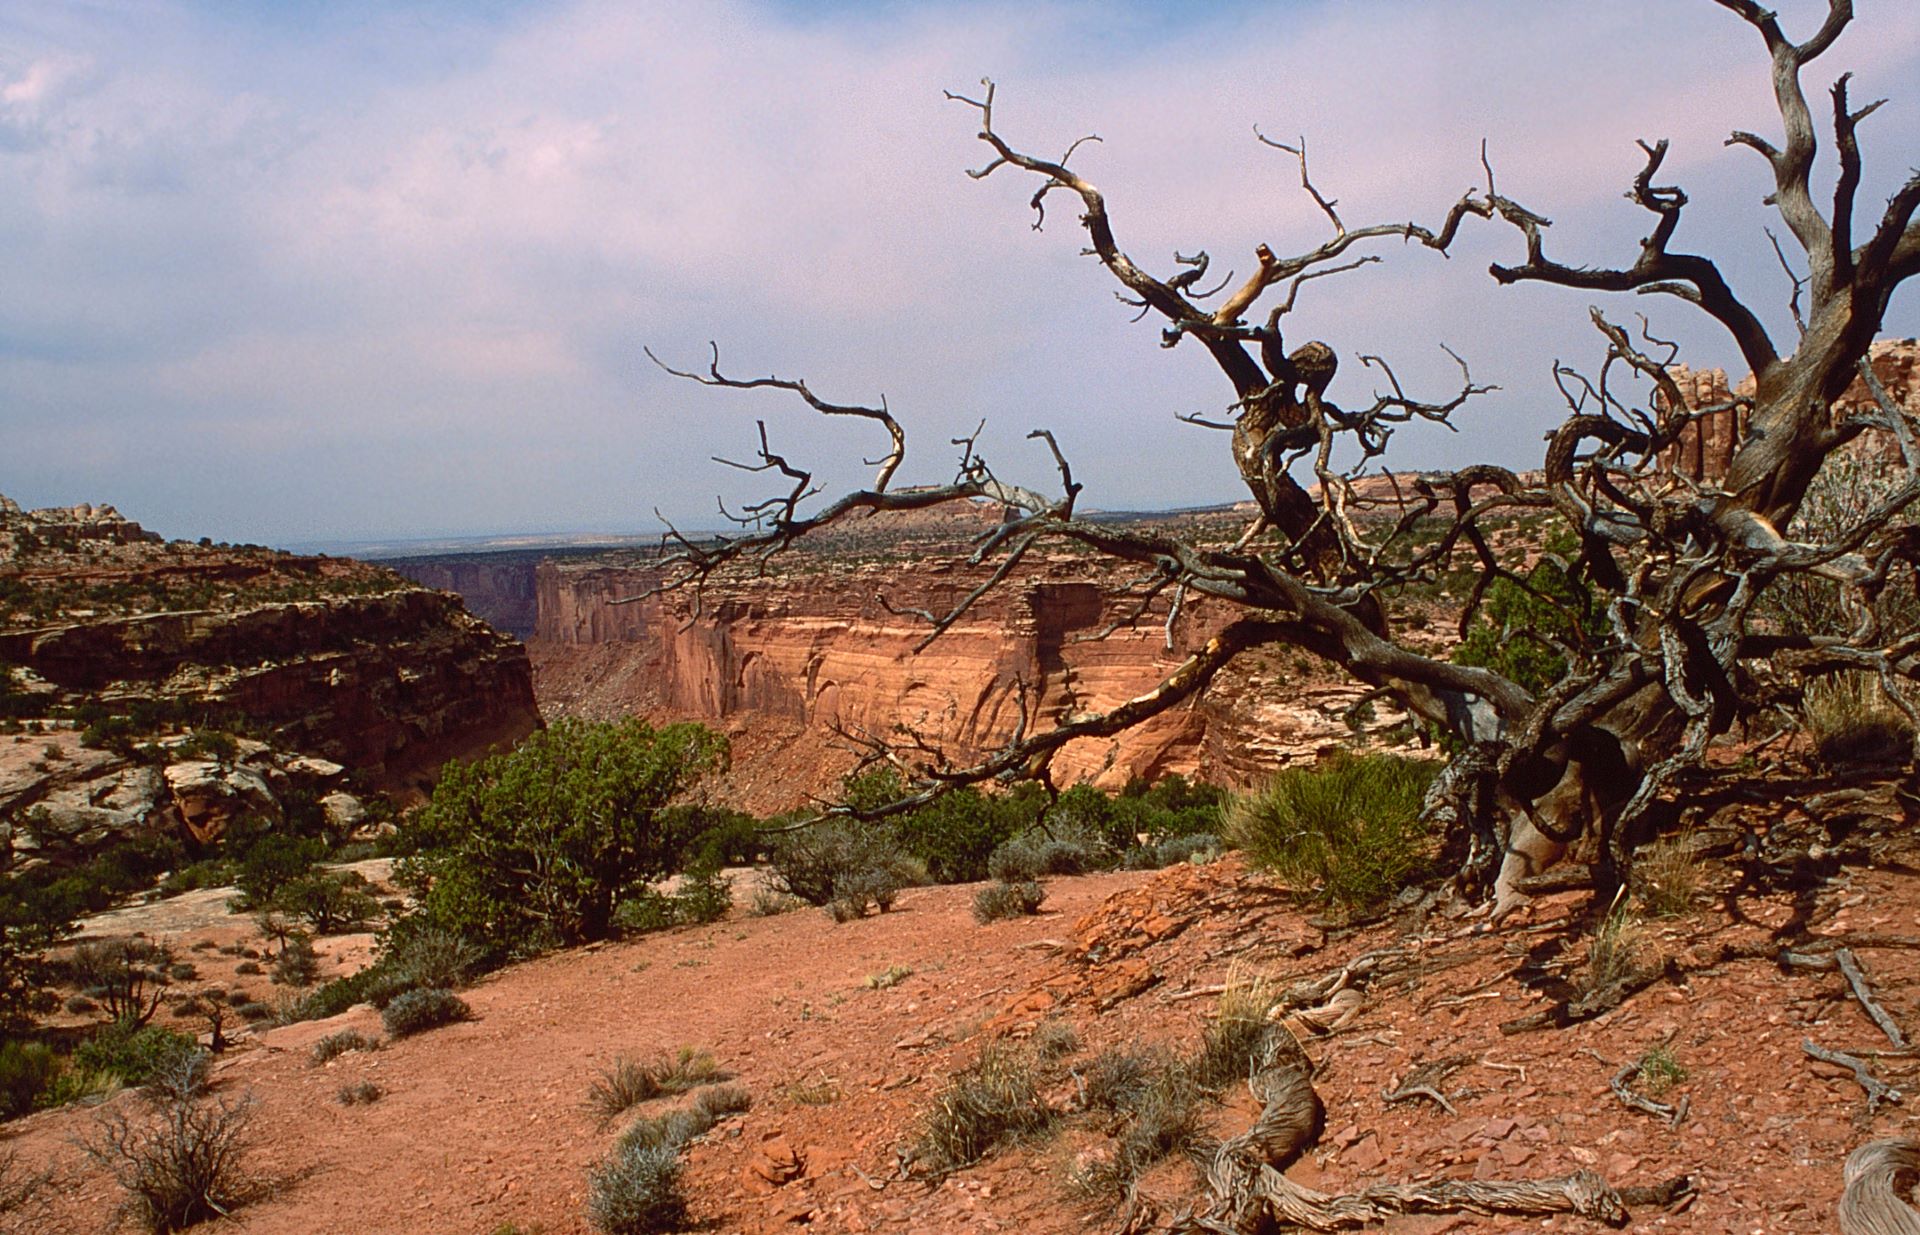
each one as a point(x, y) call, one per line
point(483, 1125)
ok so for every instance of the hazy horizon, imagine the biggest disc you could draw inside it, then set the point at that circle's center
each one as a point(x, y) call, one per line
point(345, 273)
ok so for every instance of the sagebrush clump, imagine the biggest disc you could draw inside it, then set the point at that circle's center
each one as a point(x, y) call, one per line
point(1347, 829)
point(335, 1045)
point(637, 1190)
point(420, 1010)
point(999, 901)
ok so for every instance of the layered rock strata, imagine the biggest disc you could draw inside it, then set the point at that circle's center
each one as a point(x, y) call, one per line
point(323, 656)
point(829, 651)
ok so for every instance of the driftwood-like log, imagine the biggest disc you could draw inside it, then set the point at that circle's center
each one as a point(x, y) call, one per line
point(1250, 1194)
point(1879, 1179)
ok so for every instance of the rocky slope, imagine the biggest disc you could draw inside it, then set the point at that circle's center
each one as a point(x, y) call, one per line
point(843, 1069)
point(321, 656)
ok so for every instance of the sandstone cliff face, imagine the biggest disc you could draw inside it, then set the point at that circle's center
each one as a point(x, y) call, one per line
point(1706, 446)
point(497, 587)
point(391, 686)
point(786, 663)
point(325, 656)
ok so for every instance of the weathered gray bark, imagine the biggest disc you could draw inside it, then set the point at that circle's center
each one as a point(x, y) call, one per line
point(1677, 568)
point(1879, 1188)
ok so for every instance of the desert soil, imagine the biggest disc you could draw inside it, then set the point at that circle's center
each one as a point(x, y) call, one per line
point(483, 1125)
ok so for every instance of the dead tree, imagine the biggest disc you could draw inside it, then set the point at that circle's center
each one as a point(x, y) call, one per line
point(1675, 566)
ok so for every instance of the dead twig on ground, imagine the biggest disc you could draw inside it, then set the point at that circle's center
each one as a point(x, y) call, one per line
point(1424, 1082)
point(1878, 1091)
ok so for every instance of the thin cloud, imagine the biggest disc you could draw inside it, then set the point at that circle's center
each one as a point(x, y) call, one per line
point(375, 282)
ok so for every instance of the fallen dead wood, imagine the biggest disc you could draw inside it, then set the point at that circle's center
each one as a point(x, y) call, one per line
point(1878, 1091)
point(1673, 1114)
point(1850, 968)
point(1590, 1005)
point(1879, 1175)
point(1857, 980)
point(1251, 1193)
point(1576, 876)
point(1424, 1082)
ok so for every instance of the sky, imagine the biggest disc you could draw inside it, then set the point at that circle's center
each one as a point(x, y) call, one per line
point(308, 272)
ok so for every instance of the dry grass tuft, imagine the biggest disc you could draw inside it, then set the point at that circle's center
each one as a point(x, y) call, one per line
point(994, 1102)
point(1667, 876)
point(1238, 1032)
point(626, 1084)
point(1851, 720)
point(1621, 945)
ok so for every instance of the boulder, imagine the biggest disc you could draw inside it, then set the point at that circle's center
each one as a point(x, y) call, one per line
point(211, 797)
point(345, 813)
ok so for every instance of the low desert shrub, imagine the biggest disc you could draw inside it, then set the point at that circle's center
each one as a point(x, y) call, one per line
point(770, 903)
point(425, 957)
point(419, 957)
point(667, 1130)
point(335, 1045)
point(637, 1191)
point(999, 901)
point(852, 863)
point(127, 976)
point(703, 895)
point(135, 1055)
point(331, 902)
point(1851, 721)
point(1349, 826)
point(674, 1129)
point(362, 1093)
point(180, 1162)
point(1194, 846)
point(1660, 1070)
point(297, 964)
point(81, 1084)
point(1065, 849)
point(994, 1102)
point(27, 1070)
point(859, 892)
point(417, 1011)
